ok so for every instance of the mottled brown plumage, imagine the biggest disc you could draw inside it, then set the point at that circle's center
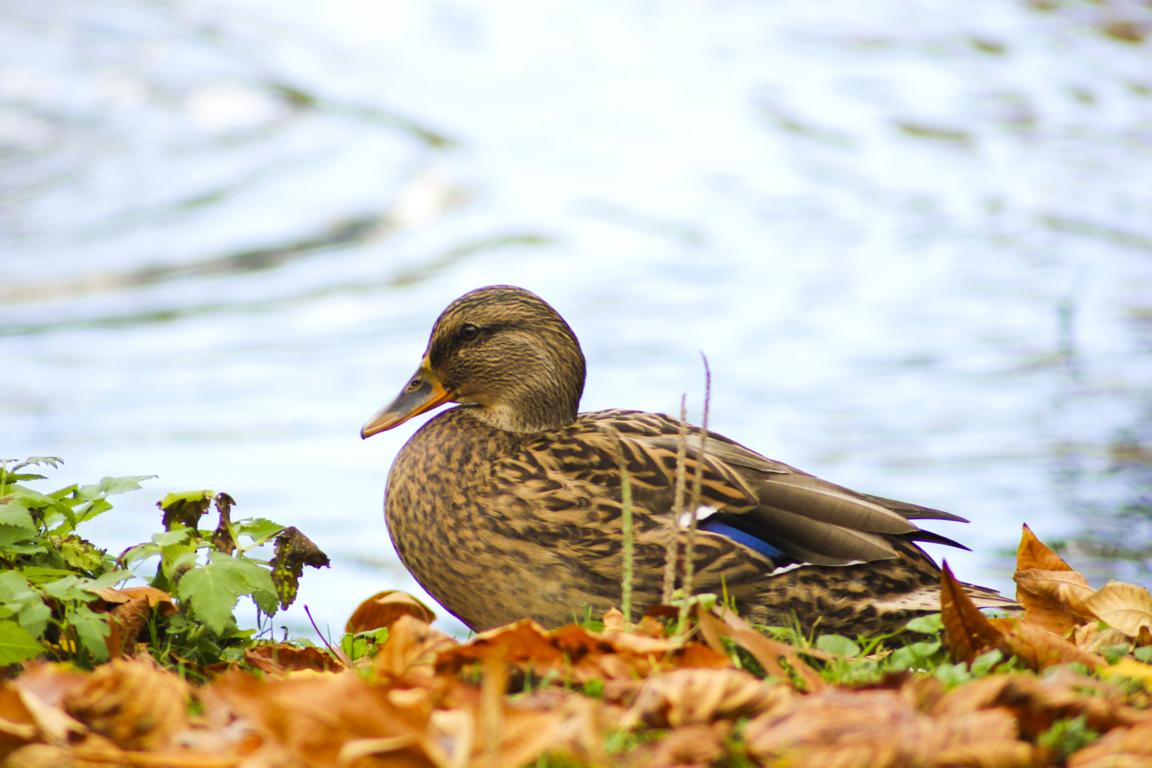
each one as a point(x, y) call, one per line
point(509, 505)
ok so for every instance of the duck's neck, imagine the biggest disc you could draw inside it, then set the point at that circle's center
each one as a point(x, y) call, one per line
point(526, 418)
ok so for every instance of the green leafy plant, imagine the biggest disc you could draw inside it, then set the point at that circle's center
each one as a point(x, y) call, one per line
point(59, 592)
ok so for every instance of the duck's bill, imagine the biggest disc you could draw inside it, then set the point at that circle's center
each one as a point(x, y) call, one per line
point(423, 393)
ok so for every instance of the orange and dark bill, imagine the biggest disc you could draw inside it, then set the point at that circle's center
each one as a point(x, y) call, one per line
point(423, 393)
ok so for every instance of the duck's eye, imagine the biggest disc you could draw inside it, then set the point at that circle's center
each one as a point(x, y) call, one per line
point(469, 331)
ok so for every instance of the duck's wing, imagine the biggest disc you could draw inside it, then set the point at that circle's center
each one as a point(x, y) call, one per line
point(795, 515)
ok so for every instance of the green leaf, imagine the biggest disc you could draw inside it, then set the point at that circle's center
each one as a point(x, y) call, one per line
point(986, 662)
point(112, 485)
point(105, 580)
point(91, 629)
point(211, 592)
point(65, 588)
point(17, 644)
point(139, 552)
point(34, 617)
point(258, 529)
point(14, 588)
point(928, 625)
point(1143, 654)
point(171, 538)
point(14, 513)
point(837, 644)
point(255, 577)
point(39, 574)
point(11, 535)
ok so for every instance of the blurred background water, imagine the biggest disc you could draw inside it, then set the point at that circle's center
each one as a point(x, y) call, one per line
point(915, 244)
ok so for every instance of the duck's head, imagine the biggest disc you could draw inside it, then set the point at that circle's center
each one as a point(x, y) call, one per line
point(502, 351)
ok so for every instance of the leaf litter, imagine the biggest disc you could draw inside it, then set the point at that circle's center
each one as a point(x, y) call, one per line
point(1067, 683)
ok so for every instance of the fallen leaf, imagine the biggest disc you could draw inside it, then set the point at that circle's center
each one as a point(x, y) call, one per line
point(412, 648)
point(1037, 702)
point(1054, 600)
point(1120, 748)
point(779, 660)
point(384, 608)
point(314, 720)
point(130, 610)
point(1094, 637)
point(278, 658)
point(131, 702)
point(967, 632)
point(881, 729)
point(522, 641)
point(1035, 554)
point(694, 696)
point(1040, 649)
point(694, 746)
point(1125, 607)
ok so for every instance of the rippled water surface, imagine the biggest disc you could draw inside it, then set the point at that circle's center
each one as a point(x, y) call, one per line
point(915, 244)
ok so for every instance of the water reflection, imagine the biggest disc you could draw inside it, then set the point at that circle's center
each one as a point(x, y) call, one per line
point(915, 246)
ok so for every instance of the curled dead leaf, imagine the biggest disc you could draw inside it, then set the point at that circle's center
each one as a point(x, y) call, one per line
point(1040, 649)
point(131, 702)
point(686, 747)
point(1037, 702)
point(967, 632)
point(881, 729)
point(1120, 748)
point(279, 658)
point(779, 660)
point(129, 611)
point(1125, 607)
point(411, 649)
point(384, 608)
point(312, 720)
point(695, 696)
point(1054, 600)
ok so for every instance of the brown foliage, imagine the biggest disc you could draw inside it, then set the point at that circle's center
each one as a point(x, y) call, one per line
point(425, 699)
point(384, 608)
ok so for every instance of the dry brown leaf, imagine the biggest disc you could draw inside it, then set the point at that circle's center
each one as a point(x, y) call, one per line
point(411, 648)
point(39, 756)
point(1037, 702)
point(525, 734)
point(41, 690)
point(771, 654)
point(577, 654)
point(278, 658)
point(695, 746)
point(312, 720)
point(881, 729)
point(1040, 649)
point(1035, 554)
point(1053, 600)
point(383, 609)
point(1125, 607)
point(131, 702)
point(1120, 748)
point(694, 696)
point(523, 641)
point(967, 632)
point(129, 610)
point(1094, 637)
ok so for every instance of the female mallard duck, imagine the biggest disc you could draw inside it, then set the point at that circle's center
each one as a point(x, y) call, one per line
point(509, 506)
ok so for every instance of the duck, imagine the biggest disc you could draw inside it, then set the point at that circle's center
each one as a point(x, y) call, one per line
point(510, 505)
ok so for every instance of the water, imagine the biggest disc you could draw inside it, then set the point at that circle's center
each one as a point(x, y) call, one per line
point(916, 247)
